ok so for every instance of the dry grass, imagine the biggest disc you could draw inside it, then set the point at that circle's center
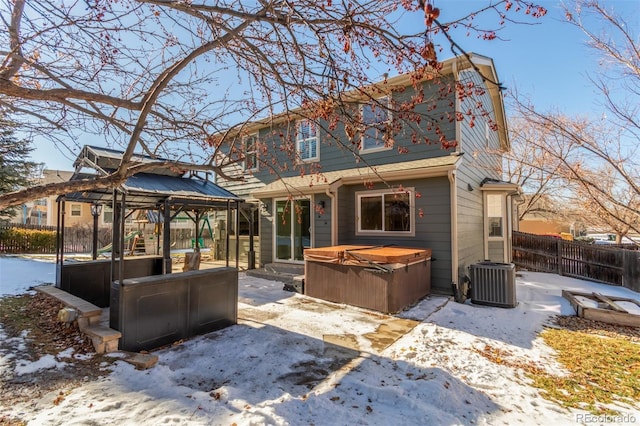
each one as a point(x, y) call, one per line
point(602, 371)
point(602, 362)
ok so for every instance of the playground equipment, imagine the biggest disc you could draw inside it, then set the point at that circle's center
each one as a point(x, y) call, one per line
point(133, 235)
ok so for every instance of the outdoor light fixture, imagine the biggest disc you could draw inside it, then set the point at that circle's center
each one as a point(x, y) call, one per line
point(96, 209)
point(264, 207)
point(321, 204)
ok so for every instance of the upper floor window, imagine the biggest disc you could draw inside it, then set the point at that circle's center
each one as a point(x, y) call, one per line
point(376, 118)
point(250, 150)
point(76, 209)
point(388, 212)
point(307, 140)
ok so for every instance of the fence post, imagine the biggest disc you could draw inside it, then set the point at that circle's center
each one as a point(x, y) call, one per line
point(630, 272)
point(559, 257)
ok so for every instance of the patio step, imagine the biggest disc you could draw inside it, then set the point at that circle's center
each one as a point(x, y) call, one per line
point(104, 339)
point(286, 273)
point(285, 268)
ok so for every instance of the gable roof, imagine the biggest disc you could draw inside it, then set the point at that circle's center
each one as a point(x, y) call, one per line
point(483, 64)
point(315, 183)
point(103, 159)
point(54, 176)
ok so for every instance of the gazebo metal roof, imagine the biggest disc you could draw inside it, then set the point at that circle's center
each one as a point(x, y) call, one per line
point(150, 189)
point(146, 190)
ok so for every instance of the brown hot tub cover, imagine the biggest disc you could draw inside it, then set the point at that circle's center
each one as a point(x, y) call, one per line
point(386, 279)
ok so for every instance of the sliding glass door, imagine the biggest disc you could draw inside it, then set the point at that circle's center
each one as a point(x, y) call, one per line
point(293, 229)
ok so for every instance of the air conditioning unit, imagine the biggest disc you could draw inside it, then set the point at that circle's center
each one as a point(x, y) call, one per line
point(494, 284)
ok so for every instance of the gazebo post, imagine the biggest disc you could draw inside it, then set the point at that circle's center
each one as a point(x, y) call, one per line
point(123, 212)
point(227, 233)
point(157, 227)
point(196, 246)
point(115, 233)
point(96, 210)
point(251, 256)
point(59, 242)
point(237, 234)
point(166, 239)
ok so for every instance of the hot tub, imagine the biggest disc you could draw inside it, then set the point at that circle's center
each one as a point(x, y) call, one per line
point(385, 279)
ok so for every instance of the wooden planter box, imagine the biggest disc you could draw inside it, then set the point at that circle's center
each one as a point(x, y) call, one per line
point(385, 279)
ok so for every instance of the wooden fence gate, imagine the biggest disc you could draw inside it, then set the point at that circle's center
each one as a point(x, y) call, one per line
point(605, 264)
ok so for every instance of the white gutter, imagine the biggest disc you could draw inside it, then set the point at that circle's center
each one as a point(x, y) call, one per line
point(454, 226)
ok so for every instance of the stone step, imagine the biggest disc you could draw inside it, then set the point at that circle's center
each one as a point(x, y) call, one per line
point(88, 313)
point(272, 276)
point(89, 319)
point(104, 339)
point(141, 361)
point(285, 268)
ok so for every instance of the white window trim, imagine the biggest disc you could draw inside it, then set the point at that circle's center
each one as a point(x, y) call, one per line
point(412, 213)
point(79, 210)
point(382, 147)
point(246, 153)
point(503, 211)
point(298, 141)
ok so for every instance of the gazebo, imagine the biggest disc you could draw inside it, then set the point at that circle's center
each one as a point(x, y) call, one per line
point(148, 304)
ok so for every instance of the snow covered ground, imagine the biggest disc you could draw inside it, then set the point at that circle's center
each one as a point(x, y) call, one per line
point(299, 361)
point(18, 274)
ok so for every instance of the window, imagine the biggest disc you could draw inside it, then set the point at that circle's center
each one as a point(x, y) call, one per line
point(386, 212)
point(107, 214)
point(250, 149)
point(76, 209)
point(375, 119)
point(494, 215)
point(307, 140)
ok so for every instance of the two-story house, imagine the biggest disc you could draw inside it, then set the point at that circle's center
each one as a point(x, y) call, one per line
point(430, 180)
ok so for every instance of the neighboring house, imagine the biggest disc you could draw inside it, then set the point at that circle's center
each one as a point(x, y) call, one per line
point(545, 216)
point(44, 212)
point(449, 200)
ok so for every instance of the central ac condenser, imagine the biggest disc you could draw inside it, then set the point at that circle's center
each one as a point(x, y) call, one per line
point(494, 284)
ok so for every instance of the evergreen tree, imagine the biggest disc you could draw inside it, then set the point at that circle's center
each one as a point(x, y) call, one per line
point(16, 171)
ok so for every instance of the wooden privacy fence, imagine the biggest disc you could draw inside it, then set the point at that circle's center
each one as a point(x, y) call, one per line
point(41, 239)
point(605, 264)
point(19, 239)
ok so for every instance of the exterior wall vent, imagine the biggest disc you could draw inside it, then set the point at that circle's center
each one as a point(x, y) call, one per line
point(493, 284)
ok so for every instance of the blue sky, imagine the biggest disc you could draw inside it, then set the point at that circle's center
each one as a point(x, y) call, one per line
point(547, 61)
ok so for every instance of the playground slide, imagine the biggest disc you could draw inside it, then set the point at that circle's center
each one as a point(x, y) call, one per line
point(131, 235)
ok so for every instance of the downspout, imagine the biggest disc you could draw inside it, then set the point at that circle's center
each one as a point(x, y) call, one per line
point(451, 174)
point(331, 192)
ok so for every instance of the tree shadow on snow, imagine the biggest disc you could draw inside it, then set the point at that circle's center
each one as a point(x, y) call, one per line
point(299, 377)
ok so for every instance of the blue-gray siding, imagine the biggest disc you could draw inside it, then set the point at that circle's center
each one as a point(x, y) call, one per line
point(337, 153)
point(481, 159)
point(433, 230)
